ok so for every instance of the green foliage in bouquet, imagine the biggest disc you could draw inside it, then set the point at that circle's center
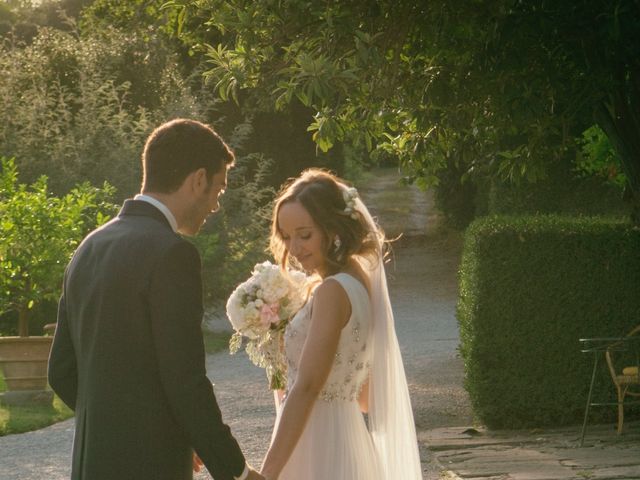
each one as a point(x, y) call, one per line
point(530, 287)
point(38, 234)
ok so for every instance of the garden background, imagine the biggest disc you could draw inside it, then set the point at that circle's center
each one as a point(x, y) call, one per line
point(520, 116)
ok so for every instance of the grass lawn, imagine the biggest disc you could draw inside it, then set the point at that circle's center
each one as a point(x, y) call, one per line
point(24, 419)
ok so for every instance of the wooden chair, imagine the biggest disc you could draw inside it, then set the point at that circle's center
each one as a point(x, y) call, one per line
point(626, 378)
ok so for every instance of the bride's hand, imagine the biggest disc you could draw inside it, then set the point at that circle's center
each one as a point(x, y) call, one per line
point(254, 475)
point(265, 475)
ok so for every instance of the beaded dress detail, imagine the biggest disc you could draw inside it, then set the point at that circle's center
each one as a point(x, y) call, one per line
point(335, 444)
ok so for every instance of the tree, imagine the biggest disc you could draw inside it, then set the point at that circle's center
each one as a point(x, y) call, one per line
point(80, 108)
point(486, 88)
point(38, 233)
point(587, 59)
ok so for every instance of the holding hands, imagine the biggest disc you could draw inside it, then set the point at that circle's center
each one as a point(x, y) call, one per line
point(254, 475)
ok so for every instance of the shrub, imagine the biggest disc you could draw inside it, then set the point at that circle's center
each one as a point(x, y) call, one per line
point(587, 185)
point(38, 234)
point(597, 157)
point(456, 195)
point(79, 109)
point(530, 287)
point(562, 191)
point(236, 238)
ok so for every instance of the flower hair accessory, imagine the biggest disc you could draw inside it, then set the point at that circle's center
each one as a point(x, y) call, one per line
point(349, 196)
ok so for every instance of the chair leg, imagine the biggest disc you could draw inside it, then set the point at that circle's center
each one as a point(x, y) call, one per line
point(621, 393)
point(586, 410)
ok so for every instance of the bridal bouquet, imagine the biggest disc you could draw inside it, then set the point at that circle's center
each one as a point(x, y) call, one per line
point(259, 309)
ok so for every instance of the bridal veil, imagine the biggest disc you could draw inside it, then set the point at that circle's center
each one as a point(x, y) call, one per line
point(390, 415)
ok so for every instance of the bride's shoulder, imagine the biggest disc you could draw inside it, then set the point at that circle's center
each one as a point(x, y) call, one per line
point(331, 287)
point(331, 301)
point(356, 274)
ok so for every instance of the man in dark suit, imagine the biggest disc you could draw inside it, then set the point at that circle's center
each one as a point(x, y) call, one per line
point(128, 353)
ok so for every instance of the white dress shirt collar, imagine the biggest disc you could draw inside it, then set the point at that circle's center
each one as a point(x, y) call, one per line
point(160, 206)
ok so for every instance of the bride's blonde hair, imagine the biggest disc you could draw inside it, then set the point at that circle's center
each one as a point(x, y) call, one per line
point(322, 194)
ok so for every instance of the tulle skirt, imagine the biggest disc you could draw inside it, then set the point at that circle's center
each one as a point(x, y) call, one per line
point(335, 445)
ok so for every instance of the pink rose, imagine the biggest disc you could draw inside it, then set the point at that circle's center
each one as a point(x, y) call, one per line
point(269, 314)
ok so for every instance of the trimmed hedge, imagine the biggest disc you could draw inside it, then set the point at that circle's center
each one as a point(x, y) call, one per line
point(530, 287)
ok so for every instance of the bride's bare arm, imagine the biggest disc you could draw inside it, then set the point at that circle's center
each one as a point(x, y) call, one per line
point(278, 397)
point(331, 311)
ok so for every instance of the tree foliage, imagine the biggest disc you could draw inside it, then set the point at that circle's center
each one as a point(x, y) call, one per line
point(598, 157)
point(39, 233)
point(78, 106)
point(80, 109)
point(487, 88)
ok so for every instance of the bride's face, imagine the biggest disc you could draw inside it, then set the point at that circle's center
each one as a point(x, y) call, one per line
point(302, 237)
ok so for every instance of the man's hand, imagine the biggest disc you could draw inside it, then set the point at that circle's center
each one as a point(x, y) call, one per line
point(253, 475)
point(197, 463)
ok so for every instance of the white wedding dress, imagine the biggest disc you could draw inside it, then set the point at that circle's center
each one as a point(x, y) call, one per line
point(336, 443)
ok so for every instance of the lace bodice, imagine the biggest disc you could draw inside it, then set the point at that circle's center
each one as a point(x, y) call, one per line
point(351, 364)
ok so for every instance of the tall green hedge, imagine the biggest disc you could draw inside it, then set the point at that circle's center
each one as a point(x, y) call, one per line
point(530, 287)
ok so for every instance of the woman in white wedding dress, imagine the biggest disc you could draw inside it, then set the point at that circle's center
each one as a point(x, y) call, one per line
point(341, 347)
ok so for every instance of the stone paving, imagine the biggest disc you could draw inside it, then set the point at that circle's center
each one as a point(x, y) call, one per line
point(555, 454)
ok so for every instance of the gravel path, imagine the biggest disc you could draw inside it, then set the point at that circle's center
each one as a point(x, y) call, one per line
point(422, 280)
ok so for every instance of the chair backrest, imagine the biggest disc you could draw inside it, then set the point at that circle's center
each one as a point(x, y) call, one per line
point(633, 332)
point(612, 370)
point(618, 346)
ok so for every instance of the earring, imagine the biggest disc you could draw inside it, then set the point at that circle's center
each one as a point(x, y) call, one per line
point(337, 243)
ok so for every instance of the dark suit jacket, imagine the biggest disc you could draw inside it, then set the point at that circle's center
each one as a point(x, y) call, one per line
point(128, 356)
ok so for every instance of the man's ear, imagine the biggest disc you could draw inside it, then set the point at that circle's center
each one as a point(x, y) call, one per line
point(199, 179)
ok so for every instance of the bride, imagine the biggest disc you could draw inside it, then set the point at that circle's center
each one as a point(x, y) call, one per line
point(341, 347)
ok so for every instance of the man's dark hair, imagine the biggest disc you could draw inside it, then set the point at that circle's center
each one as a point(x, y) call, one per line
point(179, 147)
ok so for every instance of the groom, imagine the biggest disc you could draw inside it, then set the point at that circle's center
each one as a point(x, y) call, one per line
point(128, 354)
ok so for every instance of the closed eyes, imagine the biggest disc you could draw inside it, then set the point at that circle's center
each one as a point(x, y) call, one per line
point(303, 237)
